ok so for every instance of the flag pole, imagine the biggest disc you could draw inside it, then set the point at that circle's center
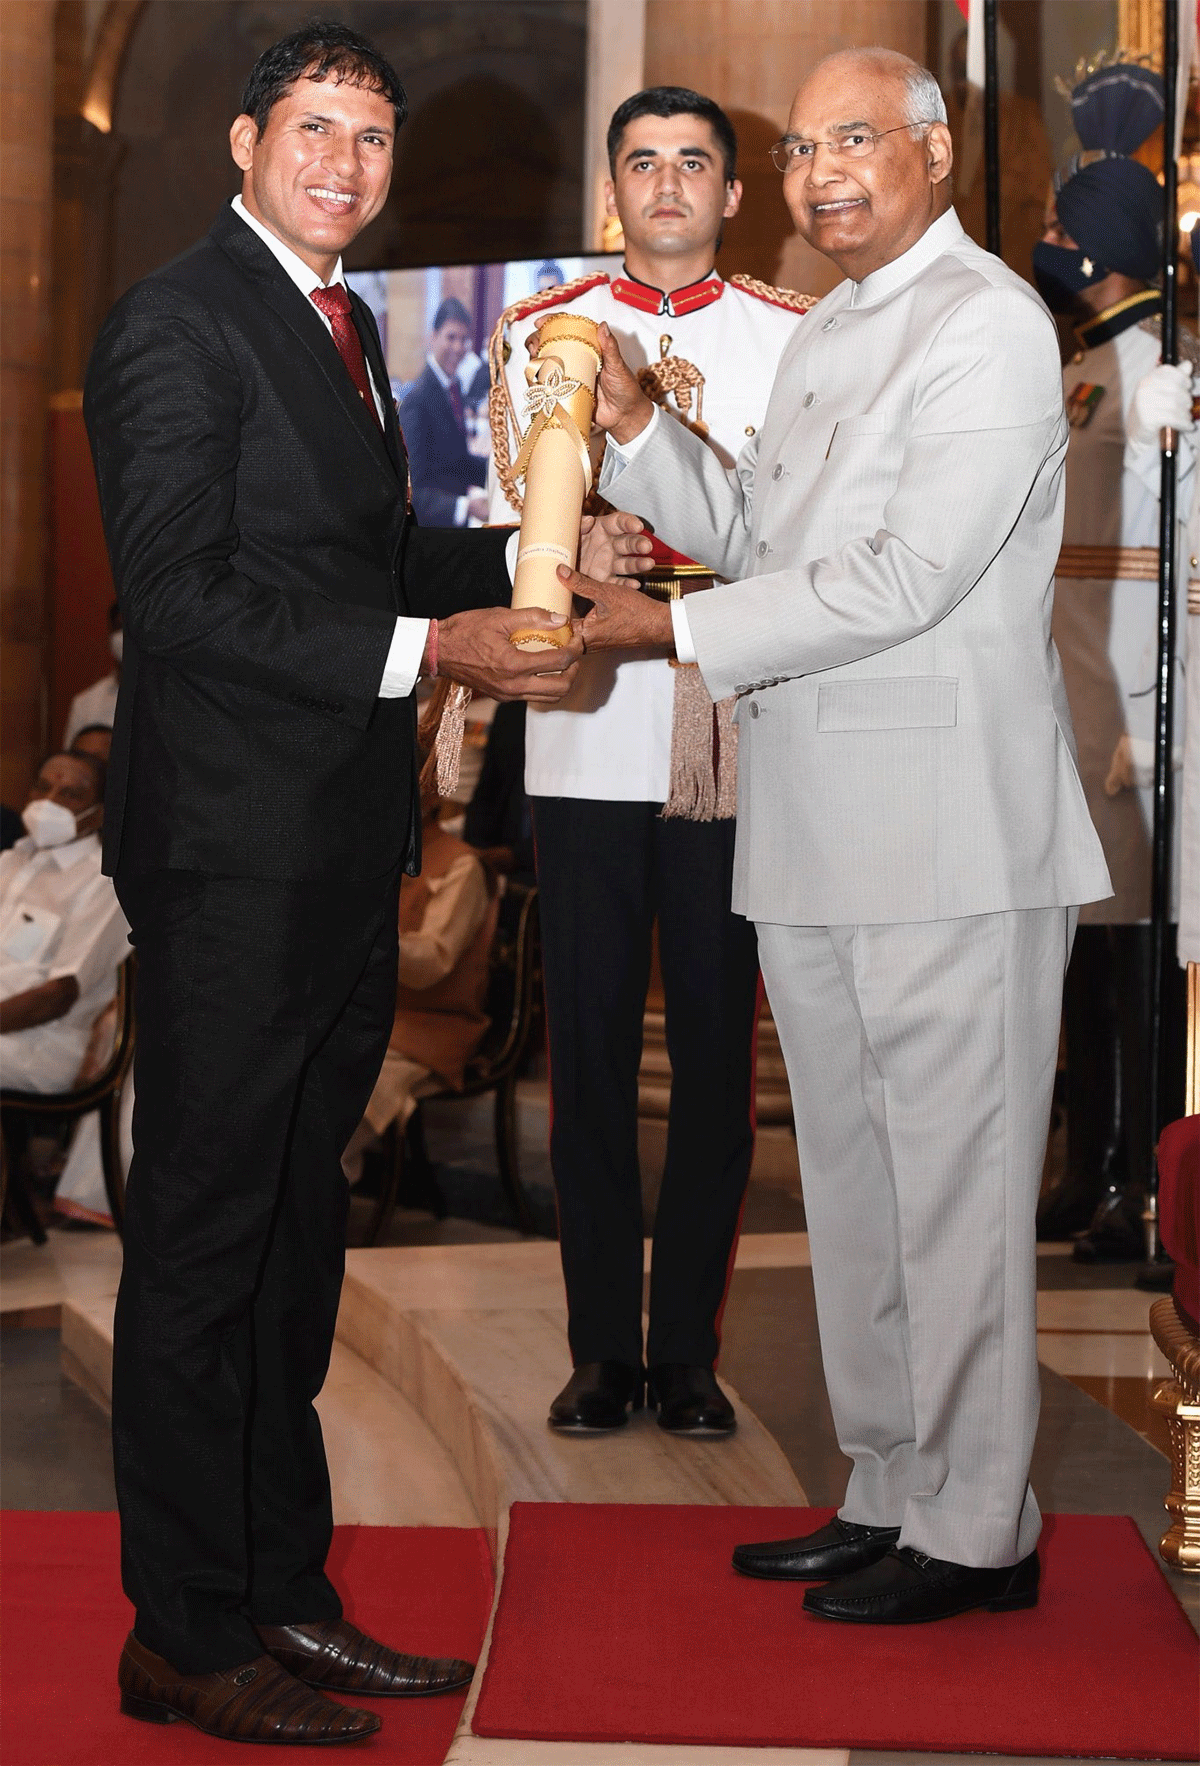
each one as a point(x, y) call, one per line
point(991, 126)
point(1160, 873)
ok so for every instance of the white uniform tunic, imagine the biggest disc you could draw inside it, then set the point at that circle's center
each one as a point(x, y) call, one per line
point(1107, 631)
point(1188, 802)
point(610, 737)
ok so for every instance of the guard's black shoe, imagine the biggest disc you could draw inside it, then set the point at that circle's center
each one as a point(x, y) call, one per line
point(688, 1400)
point(1065, 1209)
point(597, 1397)
point(1116, 1234)
point(909, 1588)
point(836, 1549)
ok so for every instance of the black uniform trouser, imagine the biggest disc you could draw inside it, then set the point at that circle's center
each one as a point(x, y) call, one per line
point(263, 1014)
point(1106, 1011)
point(606, 871)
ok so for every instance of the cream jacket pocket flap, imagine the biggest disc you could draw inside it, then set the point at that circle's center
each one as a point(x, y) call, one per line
point(849, 428)
point(913, 702)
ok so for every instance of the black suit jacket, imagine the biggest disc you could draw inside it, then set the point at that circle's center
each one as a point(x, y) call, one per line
point(256, 521)
point(442, 466)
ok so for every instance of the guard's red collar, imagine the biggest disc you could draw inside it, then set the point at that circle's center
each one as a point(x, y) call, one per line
point(682, 300)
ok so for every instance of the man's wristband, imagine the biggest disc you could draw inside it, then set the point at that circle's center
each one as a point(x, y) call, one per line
point(431, 650)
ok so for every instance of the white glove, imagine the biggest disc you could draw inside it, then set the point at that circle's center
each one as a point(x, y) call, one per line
point(1132, 764)
point(1163, 400)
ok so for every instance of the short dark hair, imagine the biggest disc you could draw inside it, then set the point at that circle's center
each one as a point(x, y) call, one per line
point(450, 312)
point(319, 51)
point(674, 101)
point(88, 730)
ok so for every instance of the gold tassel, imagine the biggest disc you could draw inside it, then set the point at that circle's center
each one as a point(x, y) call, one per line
point(440, 737)
point(448, 746)
point(703, 784)
point(726, 808)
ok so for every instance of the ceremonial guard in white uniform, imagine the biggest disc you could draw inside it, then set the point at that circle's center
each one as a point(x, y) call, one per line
point(1097, 264)
point(633, 736)
point(1188, 809)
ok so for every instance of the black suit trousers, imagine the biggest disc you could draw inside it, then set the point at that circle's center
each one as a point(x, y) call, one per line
point(606, 872)
point(264, 1010)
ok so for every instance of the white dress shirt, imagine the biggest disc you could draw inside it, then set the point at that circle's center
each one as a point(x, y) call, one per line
point(59, 916)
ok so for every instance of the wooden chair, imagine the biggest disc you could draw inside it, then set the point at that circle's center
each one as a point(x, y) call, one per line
point(513, 1008)
point(102, 1093)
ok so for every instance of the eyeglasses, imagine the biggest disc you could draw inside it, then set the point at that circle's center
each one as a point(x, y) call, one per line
point(790, 154)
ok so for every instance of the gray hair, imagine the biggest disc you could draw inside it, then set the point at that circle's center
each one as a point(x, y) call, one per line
point(923, 101)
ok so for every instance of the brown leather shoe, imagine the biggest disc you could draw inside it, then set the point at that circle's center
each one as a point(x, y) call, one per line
point(338, 1657)
point(255, 1701)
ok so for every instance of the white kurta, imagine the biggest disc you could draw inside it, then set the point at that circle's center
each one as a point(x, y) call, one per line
point(1107, 631)
point(97, 704)
point(59, 916)
point(610, 738)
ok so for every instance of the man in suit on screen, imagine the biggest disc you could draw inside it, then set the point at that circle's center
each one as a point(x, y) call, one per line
point(447, 478)
point(912, 833)
point(279, 606)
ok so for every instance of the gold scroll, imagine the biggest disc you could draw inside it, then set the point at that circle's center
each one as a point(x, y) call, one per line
point(555, 465)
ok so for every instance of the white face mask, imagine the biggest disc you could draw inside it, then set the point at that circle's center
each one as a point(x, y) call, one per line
point(49, 824)
point(116, 644)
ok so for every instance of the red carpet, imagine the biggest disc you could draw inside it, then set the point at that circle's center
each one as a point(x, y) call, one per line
point(642, 1632)
point(65, 1618)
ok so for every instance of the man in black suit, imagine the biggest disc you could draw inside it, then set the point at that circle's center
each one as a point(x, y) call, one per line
point(447, 478)
point(278, 607)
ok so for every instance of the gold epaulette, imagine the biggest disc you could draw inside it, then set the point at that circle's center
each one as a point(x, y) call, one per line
point(788, 298)
point(1186, 340)
point(501, 417)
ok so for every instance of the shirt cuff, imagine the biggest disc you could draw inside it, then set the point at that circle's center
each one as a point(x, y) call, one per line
point(510, 555)
point(404, 655)
point(630, 449)
point(685, 650)
point(460, 512)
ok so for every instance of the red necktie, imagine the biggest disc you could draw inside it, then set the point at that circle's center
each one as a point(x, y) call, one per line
point(334, 302)
point(454, 394)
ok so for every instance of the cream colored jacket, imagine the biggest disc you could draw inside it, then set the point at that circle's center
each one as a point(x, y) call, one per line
point(891, 535)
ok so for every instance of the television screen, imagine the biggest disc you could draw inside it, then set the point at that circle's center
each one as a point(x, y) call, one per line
point(435, 324)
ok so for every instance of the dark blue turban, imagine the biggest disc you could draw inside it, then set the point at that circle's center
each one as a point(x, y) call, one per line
point(1113, 209)
point(1109, 204)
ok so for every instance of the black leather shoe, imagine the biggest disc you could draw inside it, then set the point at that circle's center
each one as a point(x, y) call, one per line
point(1116, 1233)
point(688, 1400)
point(908, 1588)
point(833, 1550)
point(1065, 1210)
point(597, 1396)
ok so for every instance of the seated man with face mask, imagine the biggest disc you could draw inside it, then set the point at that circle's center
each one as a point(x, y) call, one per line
point(62, 932)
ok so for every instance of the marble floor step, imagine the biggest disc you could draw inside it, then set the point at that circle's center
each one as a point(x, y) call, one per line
point(387, 1468)
point(475, 1336)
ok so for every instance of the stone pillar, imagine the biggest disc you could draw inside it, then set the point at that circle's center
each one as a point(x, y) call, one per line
point(27, 145)
point(751, 59)
point(616, 47)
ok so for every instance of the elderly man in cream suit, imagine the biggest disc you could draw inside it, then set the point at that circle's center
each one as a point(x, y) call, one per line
point(912, 833)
